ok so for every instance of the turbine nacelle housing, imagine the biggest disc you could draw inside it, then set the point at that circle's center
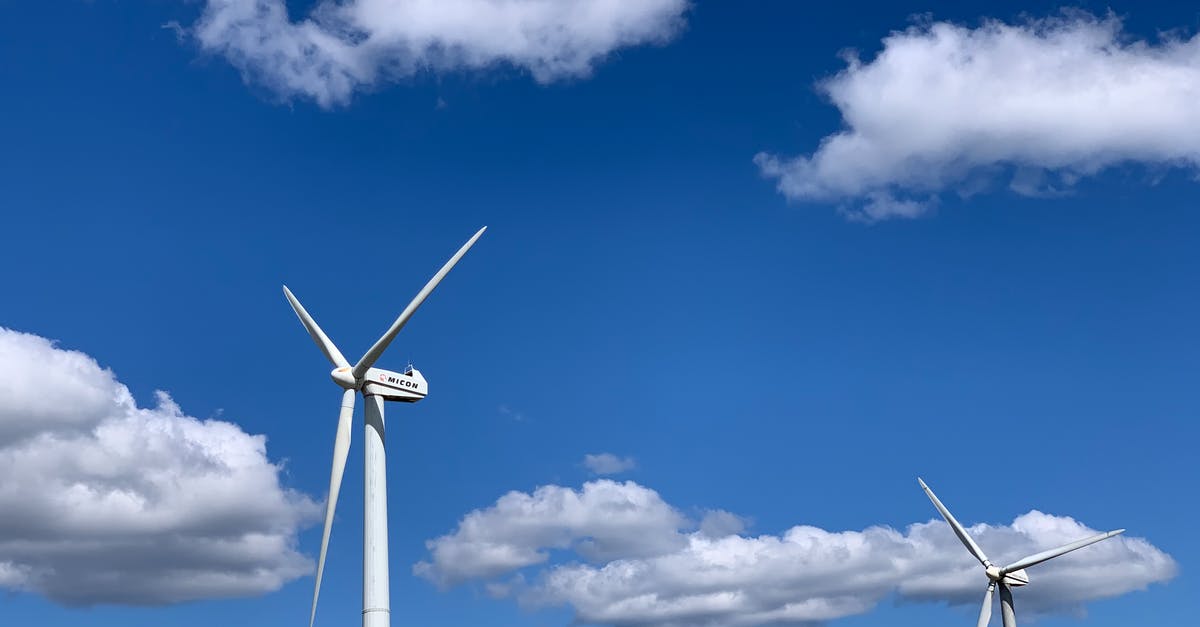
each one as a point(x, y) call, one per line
point(406, 387)
point(1014, 578)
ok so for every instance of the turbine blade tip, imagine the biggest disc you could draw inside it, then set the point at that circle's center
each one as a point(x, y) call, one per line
point(1117, 532)
point(922, 482)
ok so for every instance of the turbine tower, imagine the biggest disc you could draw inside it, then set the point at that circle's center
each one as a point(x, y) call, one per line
point(1010, 576)
point(376, 386)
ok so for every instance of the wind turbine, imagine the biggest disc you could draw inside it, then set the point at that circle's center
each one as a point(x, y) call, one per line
point(376, 386)
point(1010, 576)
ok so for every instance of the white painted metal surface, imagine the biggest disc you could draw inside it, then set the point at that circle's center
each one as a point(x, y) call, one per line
point(376, 385)
point(1009, 576)
point(341, 448)
point(406, 387)
point(373, 353)
point(985, 612)
point(376, 602)
point(1007, 612)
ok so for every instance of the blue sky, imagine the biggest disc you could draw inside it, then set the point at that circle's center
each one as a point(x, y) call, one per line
point(645, 288)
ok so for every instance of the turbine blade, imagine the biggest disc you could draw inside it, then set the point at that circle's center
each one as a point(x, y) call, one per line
point(341, 447)
point(323, 342)
point(1038, 558)
point(985, 613)
point(368, 359)
point(959, 531)
point(1008, 613)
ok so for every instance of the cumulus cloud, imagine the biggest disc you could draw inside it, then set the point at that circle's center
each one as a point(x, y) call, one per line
point(943, 107)
point(718, 523)
point(107, 502)
point(347, 45)
point(607, 463)
point(717, 575)
point(604, 520)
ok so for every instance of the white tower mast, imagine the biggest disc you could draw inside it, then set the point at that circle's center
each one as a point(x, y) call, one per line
point(376, 601)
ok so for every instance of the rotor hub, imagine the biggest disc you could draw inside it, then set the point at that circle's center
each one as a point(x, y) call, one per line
point(344, 377)
point(994, 573)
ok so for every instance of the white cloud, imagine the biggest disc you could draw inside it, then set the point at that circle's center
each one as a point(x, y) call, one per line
point(516, 415)
point(604, 520)
point(106, 502)
point(718, 523)
point(715, 575)
point(607, 463)
point(943, 107)
point(349, 45)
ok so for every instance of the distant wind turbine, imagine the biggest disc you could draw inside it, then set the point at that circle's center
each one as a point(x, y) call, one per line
point(1010, 576)
point(376, 386)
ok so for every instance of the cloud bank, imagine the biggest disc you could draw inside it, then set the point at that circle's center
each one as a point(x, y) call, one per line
point(1040, 103)
point(607, 463)
point(102, 501)
point(348, 45)
point(632, 559)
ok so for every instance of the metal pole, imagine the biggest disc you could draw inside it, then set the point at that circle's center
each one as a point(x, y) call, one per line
point(1006, 607)
point(376, 604)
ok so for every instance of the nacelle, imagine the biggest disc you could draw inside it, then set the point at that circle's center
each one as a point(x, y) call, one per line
point(1016, 578)
point(406, 387)
point(1012, 578)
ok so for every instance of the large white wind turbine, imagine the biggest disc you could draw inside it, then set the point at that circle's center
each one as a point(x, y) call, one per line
point(376, 386)
point(1009, 576)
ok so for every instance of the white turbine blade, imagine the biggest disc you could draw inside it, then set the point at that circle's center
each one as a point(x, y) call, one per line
point(341, 447)
point(985, 613)
point(323, 342)
point(1008, 613)
point(368, 359)
point(958, 529)
point(1038, 558)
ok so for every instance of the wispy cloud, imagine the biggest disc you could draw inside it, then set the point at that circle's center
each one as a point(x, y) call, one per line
point(1040, 104)
point(350, 45)
point(608, 464)
point(107, 502)
point(643, 563)
point(515, 414)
